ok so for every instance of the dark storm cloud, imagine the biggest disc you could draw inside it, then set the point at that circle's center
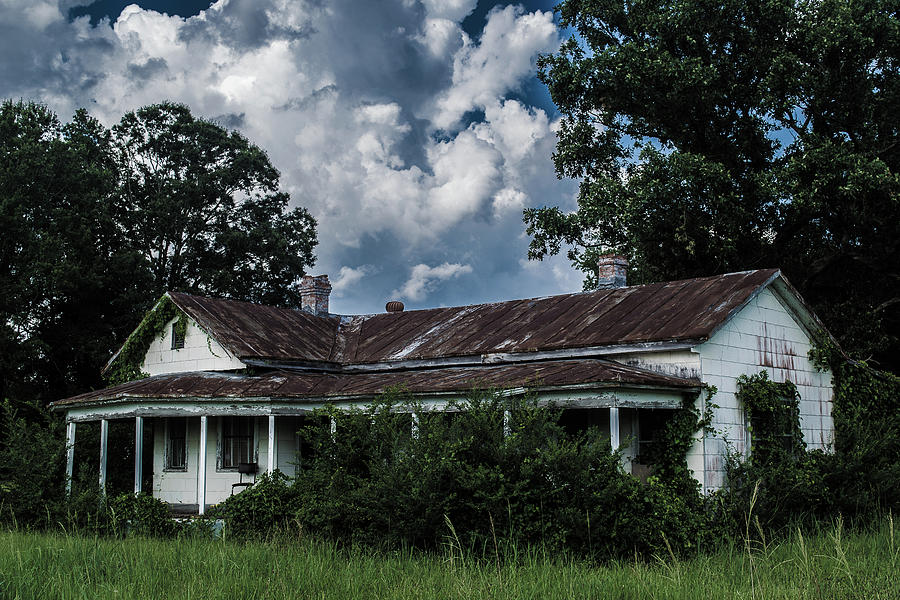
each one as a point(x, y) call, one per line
point(368, 48)
point(326, 91)
point(246, 25)
point(48, 57)
point(147, 70)
point(230, 120)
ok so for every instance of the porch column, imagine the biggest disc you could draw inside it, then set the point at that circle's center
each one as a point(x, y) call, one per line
point(104, 435)
point(201, 469)
point(138, 453)
point(70, 455)
point(270, 466)
point(614, 427)
point(506, 430)
point(414, 425)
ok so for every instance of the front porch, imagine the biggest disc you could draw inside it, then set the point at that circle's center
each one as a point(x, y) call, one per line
point(235, 438)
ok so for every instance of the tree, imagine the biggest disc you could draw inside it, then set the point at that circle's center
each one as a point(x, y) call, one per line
point(202, 206)
point(71, 284)
point(717, 136)
point(97, 224)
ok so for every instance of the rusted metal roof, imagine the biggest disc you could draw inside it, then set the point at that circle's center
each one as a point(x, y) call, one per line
point(679, 310)
point(687, 310)
point(318, 385)
point(259, 331)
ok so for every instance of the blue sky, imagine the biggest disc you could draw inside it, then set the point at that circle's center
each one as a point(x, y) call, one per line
point(414, 130)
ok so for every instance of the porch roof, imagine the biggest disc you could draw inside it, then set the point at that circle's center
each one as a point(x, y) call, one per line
point(299, 385)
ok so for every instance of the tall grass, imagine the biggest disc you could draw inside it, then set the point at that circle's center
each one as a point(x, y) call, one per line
point(830, 563)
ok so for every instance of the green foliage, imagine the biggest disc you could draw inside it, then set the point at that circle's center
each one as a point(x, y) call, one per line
point(460, 480)
point(32, 466)
point(266, 507)
point(781, 484)
point(773, 410)
point(127, 365)
point(206, 210)
point(141, 514)
point(72, 286)
point(97, 223)
point(865, 477)
point(668, 454)
point(713, 137)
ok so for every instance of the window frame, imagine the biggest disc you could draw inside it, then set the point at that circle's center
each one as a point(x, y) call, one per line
point(252, 449)
point(171, 425)
point(178, 340)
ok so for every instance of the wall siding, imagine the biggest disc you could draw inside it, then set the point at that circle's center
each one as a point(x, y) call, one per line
point(200, 353)
point(180, 487)
point(763, 336)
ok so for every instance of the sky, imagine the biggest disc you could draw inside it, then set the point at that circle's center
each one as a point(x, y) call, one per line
point(415, 131)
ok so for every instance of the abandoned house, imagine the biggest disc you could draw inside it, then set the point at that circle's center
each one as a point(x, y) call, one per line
point(228, 383)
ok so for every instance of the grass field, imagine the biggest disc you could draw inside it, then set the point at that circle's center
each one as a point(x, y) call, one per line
point(830, 564)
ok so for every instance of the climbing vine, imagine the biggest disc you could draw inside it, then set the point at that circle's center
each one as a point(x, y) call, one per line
point(669, 452)
point(773, 410)
point(127, 364)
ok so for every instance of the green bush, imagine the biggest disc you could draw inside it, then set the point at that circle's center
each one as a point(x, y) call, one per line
point(460, 480)
point(32, 466)
point(141, 514)
point(266, 507)
point(788, 485)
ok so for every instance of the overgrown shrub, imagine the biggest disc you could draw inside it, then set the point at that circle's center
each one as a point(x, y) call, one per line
point(375, 482)
point(780, 484)
point(32, 466)
point(268, 506)
point(139, 514)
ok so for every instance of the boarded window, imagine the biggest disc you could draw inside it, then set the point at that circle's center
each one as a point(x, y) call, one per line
point(237, 441)
point(176, 444)
point(178, 334)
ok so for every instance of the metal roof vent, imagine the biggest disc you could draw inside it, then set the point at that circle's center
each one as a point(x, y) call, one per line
point(394, 306)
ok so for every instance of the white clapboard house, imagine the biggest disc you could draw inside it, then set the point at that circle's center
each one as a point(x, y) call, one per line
point(228, 392)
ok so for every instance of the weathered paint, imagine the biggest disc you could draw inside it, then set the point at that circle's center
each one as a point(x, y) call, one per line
point(270, 448)
point(200, 353)
point(183, 487)
point(104, 446)
point(138, 453)
point(70, 455)
point(201, 466)
point(765, 335)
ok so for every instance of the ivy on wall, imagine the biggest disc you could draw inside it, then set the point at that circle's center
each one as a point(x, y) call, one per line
point(668, 454)
point(127, 364)
point(773, 411)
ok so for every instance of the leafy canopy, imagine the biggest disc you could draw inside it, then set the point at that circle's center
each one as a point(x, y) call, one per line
point(204, 209)
point(720, 136)
point(97, 223)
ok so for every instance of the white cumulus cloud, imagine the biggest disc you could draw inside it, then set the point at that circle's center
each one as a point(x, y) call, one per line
point(482, 73)
point(348, 277)
point(389, 123)
point(424, 279)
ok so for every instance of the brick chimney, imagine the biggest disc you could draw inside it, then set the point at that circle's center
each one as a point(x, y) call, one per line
point(314, 292)
point(611, 271)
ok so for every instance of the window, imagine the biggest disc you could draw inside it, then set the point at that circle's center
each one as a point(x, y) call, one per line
point(651, 423)
point(176, 444)
point(178, 336)
point(237, 441)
